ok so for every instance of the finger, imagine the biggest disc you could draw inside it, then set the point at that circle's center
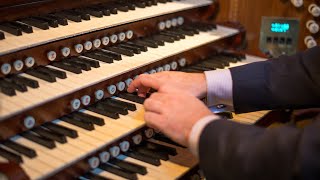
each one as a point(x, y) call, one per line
point(153, 105)
point(154, 120)
point(143, 83)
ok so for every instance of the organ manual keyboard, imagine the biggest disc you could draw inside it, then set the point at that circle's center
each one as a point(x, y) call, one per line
point(64, 70)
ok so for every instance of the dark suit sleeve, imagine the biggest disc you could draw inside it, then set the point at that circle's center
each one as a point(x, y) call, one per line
point(231, 151)
point(283, 83)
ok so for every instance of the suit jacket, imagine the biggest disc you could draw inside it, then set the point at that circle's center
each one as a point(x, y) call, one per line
point(229, 150)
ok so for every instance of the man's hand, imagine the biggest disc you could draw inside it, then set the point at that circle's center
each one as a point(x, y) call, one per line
point(174, 114)
point(170, 82)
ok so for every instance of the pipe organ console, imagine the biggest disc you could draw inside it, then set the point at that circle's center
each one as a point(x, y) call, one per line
point(64, 69)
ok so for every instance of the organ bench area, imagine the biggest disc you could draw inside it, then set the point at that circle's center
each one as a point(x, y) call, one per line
point(64, 70)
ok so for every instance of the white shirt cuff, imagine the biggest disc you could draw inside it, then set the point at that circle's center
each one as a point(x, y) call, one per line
point(196, 131)
point(219, 87)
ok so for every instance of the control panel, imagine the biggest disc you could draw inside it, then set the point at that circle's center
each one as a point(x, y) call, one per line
point(279, 36)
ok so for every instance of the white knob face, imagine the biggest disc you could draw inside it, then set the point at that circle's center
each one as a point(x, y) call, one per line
point(182, 62)
point(161, 25)
point(297, 3)
point(51, 55)
point(97, 43)
point(314, 28)
point(114, 151)
point(65, 51)
point(5, 68)
point(180, 21)
point(160, 69)
point(168, 23)
point(105, 40)
point(121, 86)
point(310, 42)
point(314, 10)
point(99, 94)
point(167, 67)
point(137, 139)
point(152, 71)
point(149, 133)
point(75, 104)
point(174, 65)
point(112, 89)
point(85, 100)
point(114, 38)
point(78, 48)
point(129, 34)
point(29, 62)
point(124, 146)
point(18, 65)
point(93, 162)
point(128, 82)
point(88, 45)
point(104, 156)
point(174, 22)
point(121, 36)
point(29, 122)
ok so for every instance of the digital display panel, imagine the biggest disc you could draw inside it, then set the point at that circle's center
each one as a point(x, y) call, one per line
point(279, 27)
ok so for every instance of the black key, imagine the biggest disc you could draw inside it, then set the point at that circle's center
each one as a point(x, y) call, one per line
point(180, 35)
point(92, 63)
point(25, 28)
point(188, 33)
point(189, 70)
point(163, 138)
point(99, 57)
point(39, 140)
point(50, 135)
point(130, 106)
point(105, 12)
point(120, 172)
point(10, 83)
point(159, 147)
point(105, 106)
point(103, 112)
point(115, 105)
point(146, 43)
point(132, 97)
point(26, 81)
point(211, 64)
point(193, 30)
point(158, 42)
point(71, 17)
point(11, 29)
point(61, 130)
point(89, 118)
point(80, 62)
point(36, 23)
point(53, 72)
point(135, 168)
point(10, 156)
point(204, 67)
point(141, 47)
point(140, 4)
point(8, 91)
point(92, 12)
point(120, 51)
point(85, 125)
point(130, 6)
point(144, 158)
point(2, 35)
point(20, 148)
point(216, 60)
point(155, 154)
point(41, 75)
point(163, 38)
point(134, 49)
point(82, 66)
point(174, 36)
point(92, 176)
point(122, 8)
point(61, 20)
point(114, 55)
point(67, 67)
point(83, 15)
point(52, 22)
point(162, 1)
point(106, 9)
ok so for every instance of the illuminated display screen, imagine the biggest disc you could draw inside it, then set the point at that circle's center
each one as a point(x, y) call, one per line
point(280, 27)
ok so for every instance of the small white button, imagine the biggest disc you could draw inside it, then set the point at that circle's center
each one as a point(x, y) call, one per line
point(166, 67)
point(160, 69)
point(78, 48)
point(29, 122)
point(121, 86)
point(114, 151)
point(105, 40)
point(124, 146)
point(174, 65)
point(113, 38)
point(97, 43)
point(161, 25)
point(93, 162)
point(18, 65)
point(128, 82)
point(51, 55)
point(121, 36)
point(88, 45)
point(65, 51)
point(168, 24)
point(297, 3)
point(314, 10)
point(99, 94)
point(312, 26)
point(180, 20)
point(5, 68)
point(149, 133)
point(104, 156)
point(112, 89)
point(137, 139)
point(310, 42)
point(152, 71)
point(129, 34)
point(29, 62)
point(182, 62)
point(75, 104)
point(85, 100)
point(174, 22)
